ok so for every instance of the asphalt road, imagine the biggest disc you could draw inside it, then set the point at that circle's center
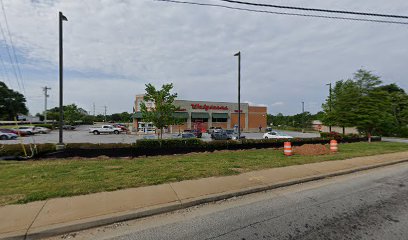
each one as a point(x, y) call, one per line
point(366, 205)
point(81, 135)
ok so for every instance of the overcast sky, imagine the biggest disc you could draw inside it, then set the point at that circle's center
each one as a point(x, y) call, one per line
point(112, 48)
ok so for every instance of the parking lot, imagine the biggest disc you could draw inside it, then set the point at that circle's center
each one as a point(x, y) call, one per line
point(81, 135)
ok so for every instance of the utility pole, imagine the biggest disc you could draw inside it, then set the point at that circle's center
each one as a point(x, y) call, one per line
point(45, 89)
point(93, 105)
point(105, 112)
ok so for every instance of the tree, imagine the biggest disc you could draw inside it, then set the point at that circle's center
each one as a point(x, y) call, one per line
point(12, 103)
point(72, 113)
point(161, 112)
point(360, 102)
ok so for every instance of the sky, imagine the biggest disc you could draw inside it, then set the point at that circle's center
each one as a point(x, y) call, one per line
point(112, 48)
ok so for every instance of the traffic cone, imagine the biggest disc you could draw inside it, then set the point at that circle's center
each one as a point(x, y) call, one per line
point(287, 149)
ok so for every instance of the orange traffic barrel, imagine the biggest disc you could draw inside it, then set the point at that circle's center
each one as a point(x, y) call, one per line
point(287, 149)
point(333, 146)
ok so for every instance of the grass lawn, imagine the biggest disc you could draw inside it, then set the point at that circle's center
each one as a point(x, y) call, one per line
point(23, 182)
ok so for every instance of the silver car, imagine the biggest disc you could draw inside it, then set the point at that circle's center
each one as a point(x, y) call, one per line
point(7, 136)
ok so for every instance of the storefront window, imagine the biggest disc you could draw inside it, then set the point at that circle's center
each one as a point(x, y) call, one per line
point(219, 119)
point(199, 119)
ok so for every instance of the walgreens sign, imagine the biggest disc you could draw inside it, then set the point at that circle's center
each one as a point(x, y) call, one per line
point(208, 107)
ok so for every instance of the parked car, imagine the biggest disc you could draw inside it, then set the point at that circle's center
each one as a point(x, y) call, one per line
point(68, 127)
point(196, 132)
point(121, 126)
point(7, 136)
point(105, 129)
point(186, 135)
point(42, 130)
point(221, 136)
point(29, 130)
point(276, 135)
point(212, 130)
point(216, 130)
point(19, 133)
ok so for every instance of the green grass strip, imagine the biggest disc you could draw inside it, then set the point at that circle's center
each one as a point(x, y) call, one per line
point(23, 182)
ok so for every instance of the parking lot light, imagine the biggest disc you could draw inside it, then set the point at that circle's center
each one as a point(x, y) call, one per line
point(60, 144)
point(238, 54)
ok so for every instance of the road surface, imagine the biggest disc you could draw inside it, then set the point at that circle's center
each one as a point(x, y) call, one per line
point(81, 135)
point(366, 205)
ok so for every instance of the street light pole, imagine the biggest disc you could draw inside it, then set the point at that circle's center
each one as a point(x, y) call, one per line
point(330, 101)
point(303, 117)
point(239, 93)
point(60, 144)
point(45, 89)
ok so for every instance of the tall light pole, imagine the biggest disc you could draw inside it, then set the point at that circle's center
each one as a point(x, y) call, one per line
point(45, 89)
point(330, 101)
point(60, 144)
point(239, 93)
point(303, 117)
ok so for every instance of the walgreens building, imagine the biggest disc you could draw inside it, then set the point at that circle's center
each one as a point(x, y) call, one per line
point(204, 115)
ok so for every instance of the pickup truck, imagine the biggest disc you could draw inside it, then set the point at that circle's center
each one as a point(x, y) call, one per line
point(105, 129)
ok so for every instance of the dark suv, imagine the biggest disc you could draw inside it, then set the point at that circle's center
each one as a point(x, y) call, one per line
point(197, 133)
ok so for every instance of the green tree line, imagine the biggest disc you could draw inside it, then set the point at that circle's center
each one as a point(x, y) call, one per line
point(366, 103)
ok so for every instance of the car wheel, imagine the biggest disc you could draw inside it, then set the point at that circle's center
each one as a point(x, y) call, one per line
point(29, 133)
point(266, 137)
point(3, 137)
point(95, 132)
point(116, 132)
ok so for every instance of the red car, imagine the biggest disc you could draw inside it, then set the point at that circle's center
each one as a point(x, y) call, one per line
point(19, 133)
point(121, 126)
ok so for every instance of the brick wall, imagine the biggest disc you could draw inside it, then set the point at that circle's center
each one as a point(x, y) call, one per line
point(257, 117)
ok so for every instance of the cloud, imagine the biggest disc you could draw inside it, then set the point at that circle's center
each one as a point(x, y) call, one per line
point(112, 48)
point(256, 104)
point(277, 104)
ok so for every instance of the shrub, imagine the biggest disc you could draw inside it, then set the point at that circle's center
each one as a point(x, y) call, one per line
point(17, 149)
point(168, 143)
point(151, 147)
point(332, 135)
point(50, 126)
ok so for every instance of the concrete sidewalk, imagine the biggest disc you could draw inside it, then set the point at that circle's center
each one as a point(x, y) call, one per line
point(62, 215)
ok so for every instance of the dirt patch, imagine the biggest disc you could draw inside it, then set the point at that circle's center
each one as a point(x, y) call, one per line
point(311, 149)
point(9, 199)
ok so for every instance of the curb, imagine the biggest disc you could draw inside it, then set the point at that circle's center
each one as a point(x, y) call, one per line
point(165, 208)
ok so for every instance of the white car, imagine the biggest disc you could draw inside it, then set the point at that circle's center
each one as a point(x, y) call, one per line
point(105, 129)
point(25, 129)
point(275, 135)
point(7, 136)
point(42, 130)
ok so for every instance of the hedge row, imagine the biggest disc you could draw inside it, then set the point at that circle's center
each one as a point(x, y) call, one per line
point(153, 147)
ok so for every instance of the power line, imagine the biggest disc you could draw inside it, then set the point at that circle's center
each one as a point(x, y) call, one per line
point(5, 71)
point(9, 55)
point(315, 9)
point(285, 13)
point(12, 45)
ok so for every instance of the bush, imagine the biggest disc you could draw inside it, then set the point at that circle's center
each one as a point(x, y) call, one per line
point(332, 135)
point(153, 147)
point(50, 126)
point(17, 149)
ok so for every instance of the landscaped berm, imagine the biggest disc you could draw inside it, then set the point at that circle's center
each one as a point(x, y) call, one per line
point(27, 181)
